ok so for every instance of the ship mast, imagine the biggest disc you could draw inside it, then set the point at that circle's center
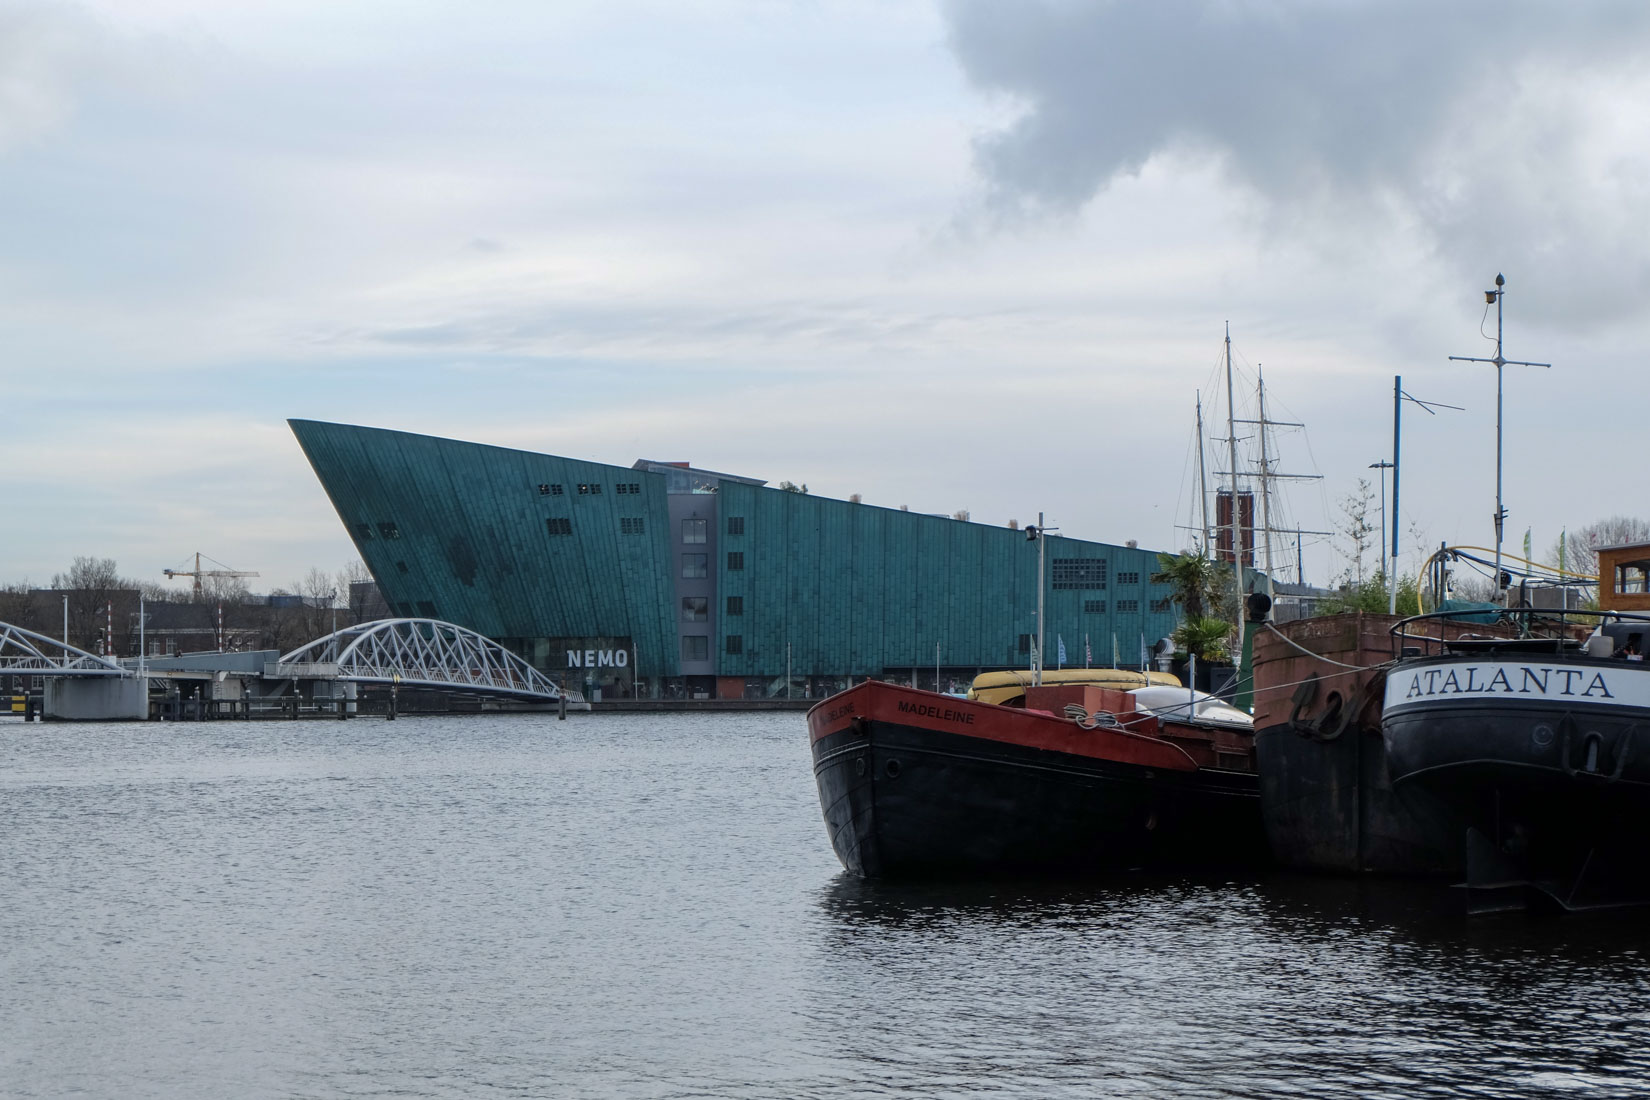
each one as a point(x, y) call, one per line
point(1265, 481)
point(1202, 476)
point(1237, 527)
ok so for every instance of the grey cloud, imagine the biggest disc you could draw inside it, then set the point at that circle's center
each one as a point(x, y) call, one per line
point(1475, 125)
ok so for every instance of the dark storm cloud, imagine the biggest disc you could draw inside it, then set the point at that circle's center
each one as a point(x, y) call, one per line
point(1485, 127)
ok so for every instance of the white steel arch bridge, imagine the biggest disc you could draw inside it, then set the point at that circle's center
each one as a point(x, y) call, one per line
point(423, 653)
point(25, 653)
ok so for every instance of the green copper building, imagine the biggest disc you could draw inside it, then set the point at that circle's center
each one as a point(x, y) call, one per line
point(660, 578)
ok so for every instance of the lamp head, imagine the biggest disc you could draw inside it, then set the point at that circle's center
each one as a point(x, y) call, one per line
point(1031, 532)
point(1489, 297)
point(1499, 281)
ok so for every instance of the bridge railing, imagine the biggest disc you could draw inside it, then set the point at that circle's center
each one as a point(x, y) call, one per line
point(424, 653)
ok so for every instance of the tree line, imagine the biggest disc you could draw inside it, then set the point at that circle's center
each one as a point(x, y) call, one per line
point(101, 607)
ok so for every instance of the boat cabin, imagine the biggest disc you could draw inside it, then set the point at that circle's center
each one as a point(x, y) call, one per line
point(1624, 578)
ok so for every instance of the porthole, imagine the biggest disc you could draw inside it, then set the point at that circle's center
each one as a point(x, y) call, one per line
point(892, 769)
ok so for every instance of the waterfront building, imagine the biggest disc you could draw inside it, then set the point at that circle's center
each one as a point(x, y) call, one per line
point(664, 579)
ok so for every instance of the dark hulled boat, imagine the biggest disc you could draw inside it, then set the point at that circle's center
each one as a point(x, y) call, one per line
point(1079, 779)
point(1327, 794)
point(1541, 742)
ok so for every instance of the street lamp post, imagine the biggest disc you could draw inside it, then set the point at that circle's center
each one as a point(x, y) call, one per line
point(1036, 534)
point(1383, 466)
point(1399, 396)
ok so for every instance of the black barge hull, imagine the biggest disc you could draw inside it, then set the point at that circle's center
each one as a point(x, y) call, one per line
point(948, 787)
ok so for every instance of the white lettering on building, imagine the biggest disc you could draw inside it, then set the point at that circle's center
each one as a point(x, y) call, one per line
point(598, 658)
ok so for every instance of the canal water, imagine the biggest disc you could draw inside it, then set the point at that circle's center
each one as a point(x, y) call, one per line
point(646, 906)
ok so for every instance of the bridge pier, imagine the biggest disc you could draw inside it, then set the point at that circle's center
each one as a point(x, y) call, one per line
point(96, 698)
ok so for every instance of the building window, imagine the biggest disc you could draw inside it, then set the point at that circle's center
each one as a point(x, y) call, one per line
point(695, 647)
point(736, 525)
point(426, 609)
point(695, 609)
point(389, 530)
point(1078, 573)
point(736, 561)
point(590, 489)
point(1025, 643)
point(1128, 578)
point(1162, 605)
point(693, 532)
point(695, 566)
point(736, 605)
point(1094, 607)
point(364, 531)
point(630, 525)
point(559, 525)
point(630, 487)
point(547, 490)
point(1128, 607)
point(401, 567)
point(736, 643)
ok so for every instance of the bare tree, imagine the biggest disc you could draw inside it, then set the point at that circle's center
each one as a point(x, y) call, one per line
point(352, 581)
point(90, 586)
point(1581, 546)
point(1356, 532)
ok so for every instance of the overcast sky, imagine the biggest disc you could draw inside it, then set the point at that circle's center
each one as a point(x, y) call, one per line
point(951, 255)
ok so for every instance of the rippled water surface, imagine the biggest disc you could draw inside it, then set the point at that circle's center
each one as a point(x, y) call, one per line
point(645, 905)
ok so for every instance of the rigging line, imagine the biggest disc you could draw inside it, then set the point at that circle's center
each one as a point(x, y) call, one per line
point(1341, 664)
point(1482, 321)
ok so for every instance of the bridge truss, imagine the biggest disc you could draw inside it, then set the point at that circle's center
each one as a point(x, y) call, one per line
point(425, 653)
point(25, 653)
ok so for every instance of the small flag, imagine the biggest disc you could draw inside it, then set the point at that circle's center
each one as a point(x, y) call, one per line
point(1114, 650)
point(1088, 653)
point(1526, 544)
point(1561, 566)
point(1060, 641)
point(1145, 657)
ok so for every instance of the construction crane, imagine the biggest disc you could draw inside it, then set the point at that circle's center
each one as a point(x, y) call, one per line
point(198, 572)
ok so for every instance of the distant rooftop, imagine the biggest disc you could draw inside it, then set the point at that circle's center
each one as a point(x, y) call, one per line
point(656, 467)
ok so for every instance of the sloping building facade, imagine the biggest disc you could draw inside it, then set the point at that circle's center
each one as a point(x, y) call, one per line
point(664, 579)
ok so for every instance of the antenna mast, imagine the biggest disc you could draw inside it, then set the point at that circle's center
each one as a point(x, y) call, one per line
point(1494, 296)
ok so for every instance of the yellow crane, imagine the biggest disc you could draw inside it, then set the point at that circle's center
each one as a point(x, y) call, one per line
point(198, 572)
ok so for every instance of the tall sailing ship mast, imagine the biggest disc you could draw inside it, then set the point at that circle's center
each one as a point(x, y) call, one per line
point(1262, 477)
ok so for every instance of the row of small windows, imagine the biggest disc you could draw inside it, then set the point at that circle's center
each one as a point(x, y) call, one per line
point(559, 525)
point(1162, 605)
point(1077, 573)
point(387, 529)
point(694, 530)
point(696, 647)
point(590, 489)
point(631, 525)
point(1128, 578)
point(697, 566)
point(696, 609)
